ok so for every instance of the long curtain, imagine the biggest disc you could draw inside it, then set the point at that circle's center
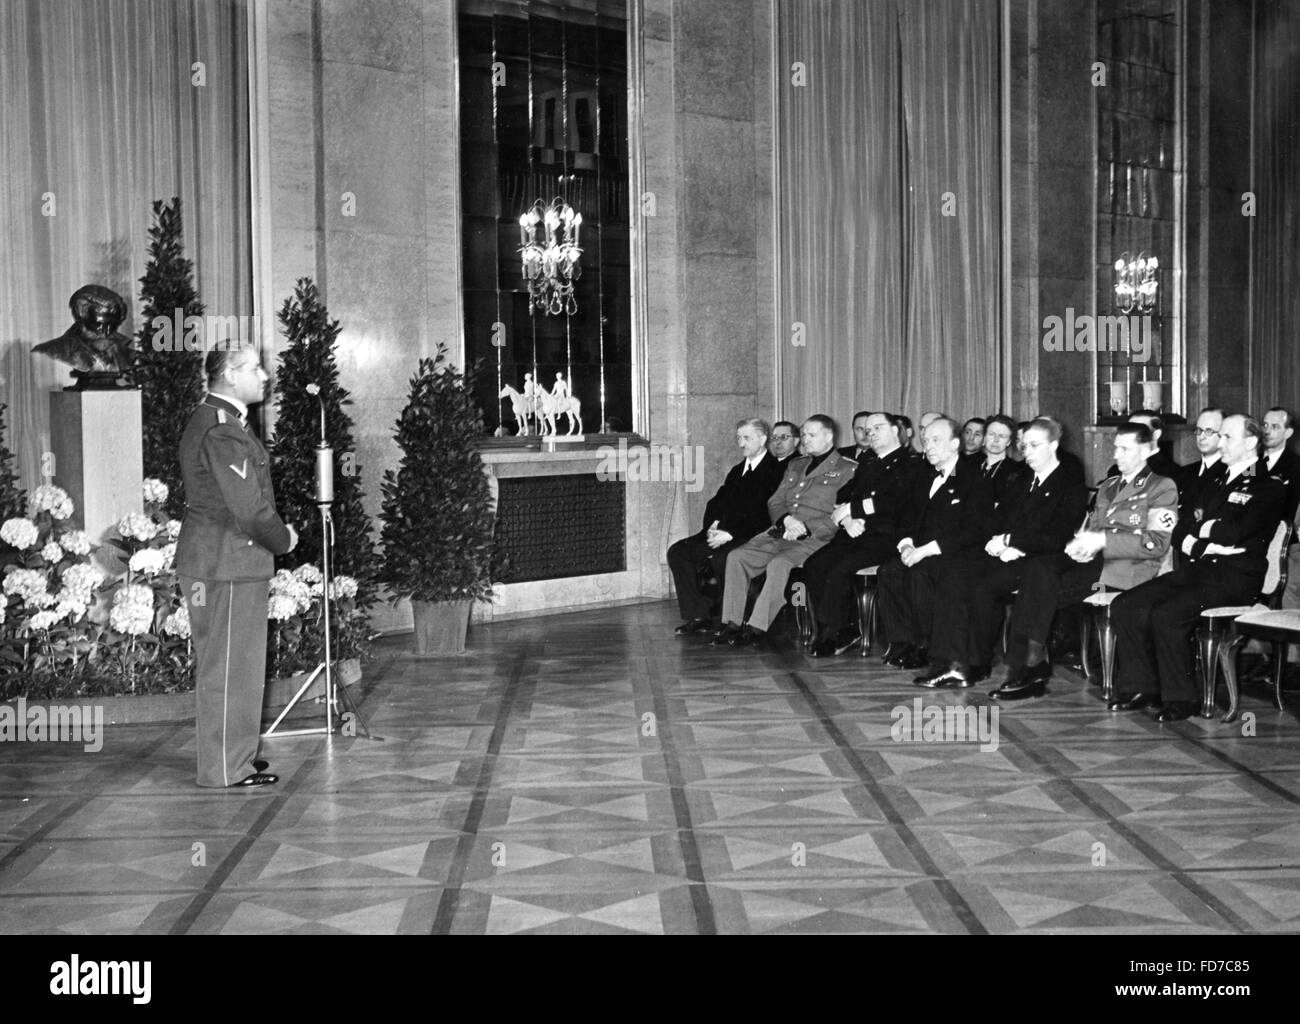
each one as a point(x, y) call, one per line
point(1275, 376)
point(105, 111)
point(888, 206)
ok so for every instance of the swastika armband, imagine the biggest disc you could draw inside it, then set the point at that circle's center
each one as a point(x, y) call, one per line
point(1161, 519)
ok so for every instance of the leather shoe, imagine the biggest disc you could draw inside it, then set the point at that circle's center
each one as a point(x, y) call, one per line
point(954, 677)
point(918, 658)
point(260, 766)
point(1024, 683)
point(260, 779)
point(747, 636)
point(1131, 702)
point(896, 651)
point(1176, 711)
point(822, 649)
point(723, 634)
point(693, 626)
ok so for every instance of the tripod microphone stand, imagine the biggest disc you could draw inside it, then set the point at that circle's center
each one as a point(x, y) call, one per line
point(336, 694)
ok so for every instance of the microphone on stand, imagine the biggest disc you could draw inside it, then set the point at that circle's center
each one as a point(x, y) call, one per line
point(324, 456)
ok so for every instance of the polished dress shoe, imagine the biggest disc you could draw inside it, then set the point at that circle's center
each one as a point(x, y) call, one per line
point(693, 626)
point(1024, 683)
point(723, 634)
point(1176, 711)
point(1132, 702)
point(260, 779)
point(948, 676)
point(918, 658)
point(746, 636)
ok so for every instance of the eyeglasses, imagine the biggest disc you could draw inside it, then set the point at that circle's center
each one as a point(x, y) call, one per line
point(1206, 432)
point(782, 437)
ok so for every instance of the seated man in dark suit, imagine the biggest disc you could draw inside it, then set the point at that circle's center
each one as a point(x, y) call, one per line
point(1037, 519)
point(861, 446)
point(868, 510)
point(949, 514)
point(800, 513)
point(735, 514)
point(999, 469)
point(1224, 540)
point(783, 444)
point(1122, 545)
point(1206, 470)
point(1279, 460)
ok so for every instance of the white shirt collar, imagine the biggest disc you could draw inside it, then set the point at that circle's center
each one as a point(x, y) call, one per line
point(753, 462)
point(1209, 460)
point(1273, 457)
point(243, 409)
point(1239, 468)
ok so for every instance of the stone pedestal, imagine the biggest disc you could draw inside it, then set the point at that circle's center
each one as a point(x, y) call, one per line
point(96, 442)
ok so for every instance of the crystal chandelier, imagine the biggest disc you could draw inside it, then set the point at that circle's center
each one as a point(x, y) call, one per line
point(1135, 283)
point(551, 262)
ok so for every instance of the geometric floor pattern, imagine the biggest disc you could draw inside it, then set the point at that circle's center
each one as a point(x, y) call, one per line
point(591, 773)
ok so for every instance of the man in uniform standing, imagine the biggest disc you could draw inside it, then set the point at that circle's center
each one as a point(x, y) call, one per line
point(225, 556)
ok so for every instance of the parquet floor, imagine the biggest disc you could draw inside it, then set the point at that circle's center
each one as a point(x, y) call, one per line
point(592, 773)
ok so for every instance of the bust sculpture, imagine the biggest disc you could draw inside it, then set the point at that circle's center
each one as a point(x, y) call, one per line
point(92, 346)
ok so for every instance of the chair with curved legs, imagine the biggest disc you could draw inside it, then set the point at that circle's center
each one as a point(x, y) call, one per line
point(1218, 638)
point(868, 617)
point(1099, 604)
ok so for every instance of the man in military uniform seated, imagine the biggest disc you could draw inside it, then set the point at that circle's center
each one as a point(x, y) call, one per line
point(800, 513)
point(735, 514)
point(868, 511)
point(1037, 519)
point(1159, 463)
point(225, 557)
point(1207, 470)
point(1122, 545)
point(1224, 540)
point(949, 514)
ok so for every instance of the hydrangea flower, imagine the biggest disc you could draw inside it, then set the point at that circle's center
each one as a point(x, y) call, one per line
point(173, 529)
point(51, 499)
point(19, 533)
point(307, 573)
point(75, 542)
point(42, 621)
point(343, 587)
point(28, 584)
point(52, 552)
point(79, 582)
point(132, 610)
point(155, 491)
point(137, 525)
point(178, 622)
point(149, 561)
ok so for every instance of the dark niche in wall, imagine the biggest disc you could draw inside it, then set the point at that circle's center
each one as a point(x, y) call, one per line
point(544, 118)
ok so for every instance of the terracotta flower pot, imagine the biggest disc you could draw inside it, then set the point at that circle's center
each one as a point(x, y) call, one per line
point(440, 626)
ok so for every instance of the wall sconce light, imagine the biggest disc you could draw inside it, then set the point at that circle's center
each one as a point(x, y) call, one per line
point(550, 263)
point(1135, 283)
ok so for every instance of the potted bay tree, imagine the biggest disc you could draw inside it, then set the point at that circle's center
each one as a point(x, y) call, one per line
point(438, 511)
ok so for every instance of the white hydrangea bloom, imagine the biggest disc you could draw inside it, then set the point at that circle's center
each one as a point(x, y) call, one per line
point(19, 533)
point(287, 586)
point(52, 552)
point(307, 573)
point(28, 584)
point(51, 499)
point(149, 561)
point(75, 542)
point(42, 621)
point(137, 525)
point(132, 610)
point(74, 610)
point(155, 491)
point(168, 552)
point(173, 529)
point(178, 622)
point(343, 587)
point(79, 582)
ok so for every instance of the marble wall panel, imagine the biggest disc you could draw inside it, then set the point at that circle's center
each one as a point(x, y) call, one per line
point(715, 73)
point(378, 33)
point(716, 163)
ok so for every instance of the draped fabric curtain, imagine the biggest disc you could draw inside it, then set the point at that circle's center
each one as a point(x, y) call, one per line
point(888, 206)
point(109, 105)
point(1275, 376)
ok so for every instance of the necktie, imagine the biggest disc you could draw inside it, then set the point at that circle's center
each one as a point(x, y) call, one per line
point(1033, 488)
